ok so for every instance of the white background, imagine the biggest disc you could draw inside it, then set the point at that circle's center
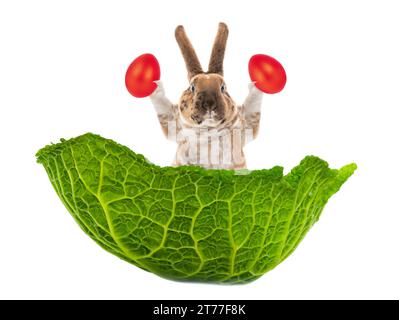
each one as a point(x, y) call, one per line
point(62, 66)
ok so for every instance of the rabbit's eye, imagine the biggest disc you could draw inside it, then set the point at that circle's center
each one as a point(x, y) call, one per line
point(223, 88)
point(192, 87)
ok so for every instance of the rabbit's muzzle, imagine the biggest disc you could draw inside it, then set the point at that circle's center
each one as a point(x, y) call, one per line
point(206, 102)
point(209, 106)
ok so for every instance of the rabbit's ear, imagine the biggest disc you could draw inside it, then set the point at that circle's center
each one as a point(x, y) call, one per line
point(219, 46)
point(190, 57)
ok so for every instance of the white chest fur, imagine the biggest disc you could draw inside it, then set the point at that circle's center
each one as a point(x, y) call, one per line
point(211, 147)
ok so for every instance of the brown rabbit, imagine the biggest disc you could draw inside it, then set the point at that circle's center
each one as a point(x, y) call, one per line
point(210, 129)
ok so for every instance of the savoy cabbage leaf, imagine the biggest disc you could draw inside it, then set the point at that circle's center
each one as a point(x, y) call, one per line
point(188, 223)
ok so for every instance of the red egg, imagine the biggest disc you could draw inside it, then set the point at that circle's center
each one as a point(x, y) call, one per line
point(141, 74)
point(267, 73)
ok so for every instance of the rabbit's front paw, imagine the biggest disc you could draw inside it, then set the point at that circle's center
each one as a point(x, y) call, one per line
point(159, 91)
point(253, 90)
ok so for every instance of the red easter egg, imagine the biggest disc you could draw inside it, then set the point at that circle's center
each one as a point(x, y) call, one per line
point(141, 74)
point(267, 73)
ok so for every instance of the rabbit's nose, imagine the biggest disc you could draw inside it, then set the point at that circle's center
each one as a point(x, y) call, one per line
point(206, 101)
point(209, 104)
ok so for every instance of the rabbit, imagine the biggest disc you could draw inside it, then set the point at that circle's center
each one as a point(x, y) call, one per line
point(208, 126)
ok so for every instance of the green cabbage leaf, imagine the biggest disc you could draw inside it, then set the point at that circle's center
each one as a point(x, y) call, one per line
point(188, 223)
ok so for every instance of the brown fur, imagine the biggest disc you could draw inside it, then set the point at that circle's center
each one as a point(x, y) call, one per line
point(207, 97)
point(190, 57)
point(219, 47)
